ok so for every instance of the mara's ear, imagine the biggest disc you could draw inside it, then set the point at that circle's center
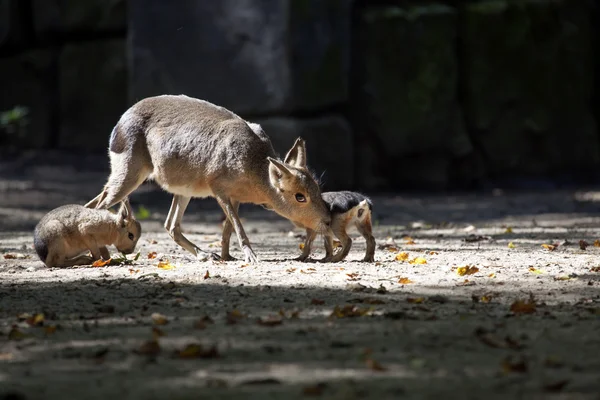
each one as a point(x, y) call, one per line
point(125, 212)
point(277, 171)
point(297, 154)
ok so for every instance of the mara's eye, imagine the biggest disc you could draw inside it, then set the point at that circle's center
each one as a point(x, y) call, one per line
point(131, 237)
point(300, 198)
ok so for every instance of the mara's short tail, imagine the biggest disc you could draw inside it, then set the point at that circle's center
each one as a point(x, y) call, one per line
point(364, 210)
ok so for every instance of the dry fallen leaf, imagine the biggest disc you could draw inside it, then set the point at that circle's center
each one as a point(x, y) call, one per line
point(415, 300)
point(418, 260)
point(519, 366)
point(596, 243)
point(308, 271)
point(152, 241)
point(349, 311)
point(535, 270)
point(157, 333)
point(523, 307)
point(195, 350)
point(101, 263)
point(509, 229)
point(317, 302)
point(511, 245)
point(467, 270)
point(374, 365)
point(408, 240)
point(583, 244)
point(16, 334)
point(492, 275)
point(149, 348)
point(133, 271)
point(404, 281)
point(301, 246)
point(207, 275)
point(433, 253)
point(36, 320)
point(159, 319)
point(50, 329)
point(166, 265)
point(562, 278)
point(352, 276)
point(595, 269)
point(290, 270)
point(550, 247)
point(402, 256)
point(152, 255)
point(234, 316)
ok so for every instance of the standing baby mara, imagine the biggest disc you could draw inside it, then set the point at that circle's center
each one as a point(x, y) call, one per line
point(348, 209)
point(65, 234)
point(193, 148)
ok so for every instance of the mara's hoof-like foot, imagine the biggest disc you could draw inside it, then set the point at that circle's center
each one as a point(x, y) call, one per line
point(249, 256)
point(368, 259)
point(325, 259)
point(228, 257)
point(206, 256)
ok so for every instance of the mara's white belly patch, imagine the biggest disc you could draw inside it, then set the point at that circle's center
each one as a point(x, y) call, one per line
point(189, 191)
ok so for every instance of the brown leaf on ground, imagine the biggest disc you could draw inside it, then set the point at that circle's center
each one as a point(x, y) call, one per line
point(402, 256)
point(353, 276)
point(349, 311)
point(418, 260)
point(509, 366)
point(523, 307)
point(50, 329)
point(133, 271)
point(157, 333)
point(550, 247)
point(35, 320)
point(595, 269)
point(148, 348)
point(207, 275)
point(556, 387)
point(152, 255)
point(166, 265)
point(234, 316)
point(404, 281)
point(308, 271)
point(317, 302)
point(196, 350)
point(290, 270)
point(467, 270)
point(269, 321)
point(408, 240)
point(159, 319)
point(301, 246)
point(596, 243)
point(101, 263)
point(16, 334)
point(583, 244)
point(374, 365)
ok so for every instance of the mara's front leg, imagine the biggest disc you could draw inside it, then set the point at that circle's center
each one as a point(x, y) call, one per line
point(227, 231)
point(310, 237)
point(233, 217)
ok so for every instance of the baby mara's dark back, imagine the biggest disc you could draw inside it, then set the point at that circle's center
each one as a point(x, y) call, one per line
point(343, 201)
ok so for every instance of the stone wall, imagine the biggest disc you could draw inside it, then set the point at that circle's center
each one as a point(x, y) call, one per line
point(389, 94)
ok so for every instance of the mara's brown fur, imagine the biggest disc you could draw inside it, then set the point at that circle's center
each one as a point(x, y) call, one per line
point(64, 234)
point(193, 148)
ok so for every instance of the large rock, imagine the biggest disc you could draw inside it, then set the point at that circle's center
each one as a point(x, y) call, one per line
point(329, 146)
point(12, 26)
point(93, 92)
point(407, 106)
point(254, 56)
point(65, 17)
point(527, 86)
point(28, 82)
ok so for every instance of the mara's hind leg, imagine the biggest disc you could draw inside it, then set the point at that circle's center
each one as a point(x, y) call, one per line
point(127, 173)
point(366, 230)
point(82, 259)
point(310, 237)
point(227, 231)
point(173, 226)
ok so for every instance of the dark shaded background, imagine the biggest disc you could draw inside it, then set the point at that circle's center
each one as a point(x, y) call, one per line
point(390, 95)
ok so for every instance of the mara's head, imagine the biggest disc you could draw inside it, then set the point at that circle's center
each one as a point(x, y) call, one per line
point(299, 194)
point(129, 229)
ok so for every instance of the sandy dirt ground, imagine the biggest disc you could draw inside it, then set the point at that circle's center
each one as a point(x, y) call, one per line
point(525, 324)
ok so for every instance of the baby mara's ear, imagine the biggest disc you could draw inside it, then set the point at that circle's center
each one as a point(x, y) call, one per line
point(125, 213)
point(296, 157)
